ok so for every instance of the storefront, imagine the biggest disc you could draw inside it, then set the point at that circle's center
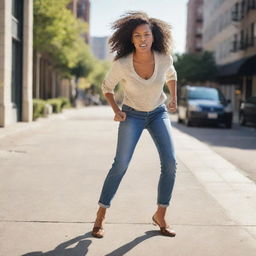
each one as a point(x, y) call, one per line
point(239, 79)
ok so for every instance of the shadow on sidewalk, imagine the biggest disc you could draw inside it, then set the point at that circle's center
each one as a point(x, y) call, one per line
point(81, 249)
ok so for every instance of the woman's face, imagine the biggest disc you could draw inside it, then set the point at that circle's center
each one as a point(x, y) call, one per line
point(142, 38)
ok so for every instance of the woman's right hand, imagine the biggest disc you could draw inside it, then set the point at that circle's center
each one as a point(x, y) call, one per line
point(120, 116)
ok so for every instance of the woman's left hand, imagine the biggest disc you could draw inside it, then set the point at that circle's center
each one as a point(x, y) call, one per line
point(172, 106)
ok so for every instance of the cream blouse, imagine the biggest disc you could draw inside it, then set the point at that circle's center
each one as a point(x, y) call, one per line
point(139, 93)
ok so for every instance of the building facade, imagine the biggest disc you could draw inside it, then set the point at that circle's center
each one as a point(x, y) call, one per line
point(81, 10)
point(16, 50)
point(229, 31)
point(194, 26)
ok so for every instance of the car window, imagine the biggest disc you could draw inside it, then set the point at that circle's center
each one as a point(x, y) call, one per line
point(251, 100)
point(205, 93)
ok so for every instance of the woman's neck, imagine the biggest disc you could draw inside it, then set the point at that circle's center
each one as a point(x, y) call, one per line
point(143, 56)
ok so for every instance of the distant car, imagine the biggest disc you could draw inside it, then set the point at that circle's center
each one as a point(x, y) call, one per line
point(247, 113)
point(198, 104)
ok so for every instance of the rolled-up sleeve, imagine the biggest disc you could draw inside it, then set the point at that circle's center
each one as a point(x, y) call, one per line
point(171, 73)
point(112, 78)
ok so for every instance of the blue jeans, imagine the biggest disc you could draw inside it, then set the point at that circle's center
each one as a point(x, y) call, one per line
point(158, 124)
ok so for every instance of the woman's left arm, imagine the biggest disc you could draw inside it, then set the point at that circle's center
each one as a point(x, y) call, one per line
point(172, 87)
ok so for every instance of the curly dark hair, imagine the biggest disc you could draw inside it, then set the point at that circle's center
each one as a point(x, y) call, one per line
point(120, 42)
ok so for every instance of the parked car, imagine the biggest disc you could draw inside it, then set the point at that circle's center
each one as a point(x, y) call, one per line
point(198, 104)
point(247, 113)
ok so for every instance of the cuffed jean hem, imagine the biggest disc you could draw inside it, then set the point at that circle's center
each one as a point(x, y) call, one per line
point(103, 205)
point(163, 205)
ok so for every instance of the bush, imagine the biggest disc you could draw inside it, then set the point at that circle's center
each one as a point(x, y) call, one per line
point(65, 103)
point(56, 104)
point(38, 108)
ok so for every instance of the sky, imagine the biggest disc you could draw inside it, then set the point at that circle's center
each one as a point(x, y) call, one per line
point(174, 12)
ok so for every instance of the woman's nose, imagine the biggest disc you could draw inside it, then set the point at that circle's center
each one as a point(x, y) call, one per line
point(142, 38)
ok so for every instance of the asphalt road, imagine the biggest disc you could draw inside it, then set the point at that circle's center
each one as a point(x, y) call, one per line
point(237, 145)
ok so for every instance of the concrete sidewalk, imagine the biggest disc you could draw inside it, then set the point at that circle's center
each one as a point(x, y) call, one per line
point(51, 179)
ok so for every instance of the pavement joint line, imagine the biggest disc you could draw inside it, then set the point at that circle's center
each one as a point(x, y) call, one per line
point(122, 223)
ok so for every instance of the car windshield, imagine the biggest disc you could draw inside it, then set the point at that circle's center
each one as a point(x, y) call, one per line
point(205, 94)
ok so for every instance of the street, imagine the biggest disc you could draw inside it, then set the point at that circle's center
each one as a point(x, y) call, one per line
point(237, 145)
point(52, 174)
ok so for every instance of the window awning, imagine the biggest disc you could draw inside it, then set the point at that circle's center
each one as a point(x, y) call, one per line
point(245, 66)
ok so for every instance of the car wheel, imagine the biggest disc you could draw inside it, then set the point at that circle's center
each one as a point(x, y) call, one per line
point(242, 120)
point(187, 120)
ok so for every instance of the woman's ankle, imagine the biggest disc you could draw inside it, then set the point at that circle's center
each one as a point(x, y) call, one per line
point(161, 211)
point(101, 211)
point(99, 222)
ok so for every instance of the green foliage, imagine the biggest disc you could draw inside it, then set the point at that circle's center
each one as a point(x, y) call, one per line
point(38, 108)
point(98, 73)
point(59, 103)
point(85, 61)
point(58, 33)
point(56, 104)
point(195, 67)
point(65, 102)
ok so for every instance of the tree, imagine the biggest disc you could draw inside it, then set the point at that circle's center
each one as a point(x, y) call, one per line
point(57, 33)
point(98, 73)
point(195, 67)
point(85, 61)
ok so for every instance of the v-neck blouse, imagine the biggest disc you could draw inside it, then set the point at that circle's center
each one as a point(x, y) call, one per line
point(139, 93)
point(139, 77)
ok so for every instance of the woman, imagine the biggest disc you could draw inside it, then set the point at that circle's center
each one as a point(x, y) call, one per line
point(144, 64)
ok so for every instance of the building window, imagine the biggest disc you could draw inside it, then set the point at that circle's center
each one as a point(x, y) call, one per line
point(247, 38)
point(242, 41)
point(251, 4)
point(252, 34)
point(235, 44)
point(17, 51)
point(248, 4)
point(199, 14)
point(235, 12)
point(198, 45)
point(242, 9)
point(199, 32)
point(16, 19)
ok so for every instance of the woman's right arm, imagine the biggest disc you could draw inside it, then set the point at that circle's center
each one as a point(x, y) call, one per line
point(108, 85)
point(119, 115)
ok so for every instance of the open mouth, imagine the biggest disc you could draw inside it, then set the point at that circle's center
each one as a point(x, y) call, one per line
point(143, 45)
